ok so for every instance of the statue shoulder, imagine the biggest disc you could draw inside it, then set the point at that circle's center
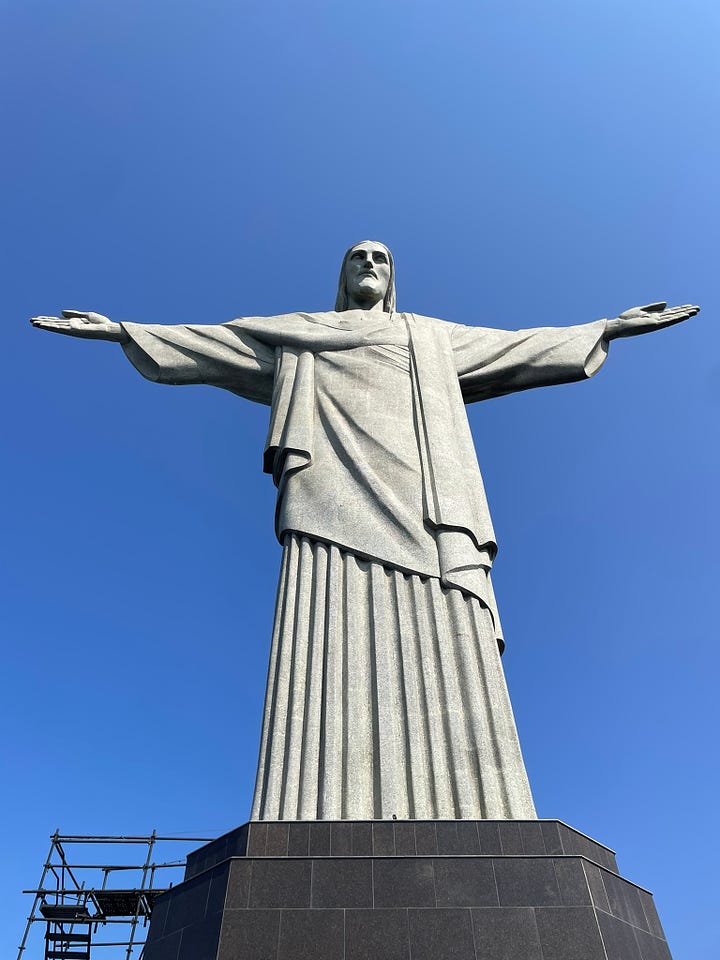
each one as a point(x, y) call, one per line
point(280, 317)
point(431, 320)
point(432, 324)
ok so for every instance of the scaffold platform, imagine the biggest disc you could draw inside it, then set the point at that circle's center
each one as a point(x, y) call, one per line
point(84, 907)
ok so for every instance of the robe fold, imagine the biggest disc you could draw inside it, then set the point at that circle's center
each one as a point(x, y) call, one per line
point(371, 452)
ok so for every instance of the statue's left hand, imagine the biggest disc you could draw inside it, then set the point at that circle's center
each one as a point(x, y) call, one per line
point(653, 316)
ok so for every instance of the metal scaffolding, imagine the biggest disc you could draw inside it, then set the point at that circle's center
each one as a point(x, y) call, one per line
point(78, 901)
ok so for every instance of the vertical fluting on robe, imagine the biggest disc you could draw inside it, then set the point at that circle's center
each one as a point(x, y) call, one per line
point(386, 697)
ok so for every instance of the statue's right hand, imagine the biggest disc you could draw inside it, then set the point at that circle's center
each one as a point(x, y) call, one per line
point(76, 323)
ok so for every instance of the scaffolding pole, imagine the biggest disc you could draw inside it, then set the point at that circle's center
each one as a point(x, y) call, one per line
point(75, 903)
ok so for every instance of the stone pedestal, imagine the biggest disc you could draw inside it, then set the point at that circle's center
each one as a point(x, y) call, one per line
point(399, 890)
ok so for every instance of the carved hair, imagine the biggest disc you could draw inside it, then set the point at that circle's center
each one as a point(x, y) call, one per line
point(341, 303)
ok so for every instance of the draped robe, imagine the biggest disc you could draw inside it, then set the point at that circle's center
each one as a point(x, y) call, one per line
point(386, 695)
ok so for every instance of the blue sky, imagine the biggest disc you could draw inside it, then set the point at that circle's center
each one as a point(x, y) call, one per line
point(528, 164)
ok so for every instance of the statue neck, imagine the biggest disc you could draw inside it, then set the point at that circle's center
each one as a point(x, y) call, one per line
point(367, 306)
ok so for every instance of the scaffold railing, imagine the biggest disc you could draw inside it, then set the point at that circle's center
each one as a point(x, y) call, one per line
point(84, 906)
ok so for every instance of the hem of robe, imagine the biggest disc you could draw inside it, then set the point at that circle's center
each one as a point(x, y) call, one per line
point(473, 582)
point(386, 698)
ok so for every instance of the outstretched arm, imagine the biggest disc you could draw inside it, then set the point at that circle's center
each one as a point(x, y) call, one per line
point(222, 355)
point(492, 363)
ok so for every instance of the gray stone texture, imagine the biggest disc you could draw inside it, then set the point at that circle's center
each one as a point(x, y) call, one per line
point(390, 560)
point(379, 490)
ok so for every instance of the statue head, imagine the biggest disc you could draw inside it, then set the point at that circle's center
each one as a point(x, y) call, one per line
point(367, 272)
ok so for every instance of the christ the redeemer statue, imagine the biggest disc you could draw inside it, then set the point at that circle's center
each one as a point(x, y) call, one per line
point(386, 696)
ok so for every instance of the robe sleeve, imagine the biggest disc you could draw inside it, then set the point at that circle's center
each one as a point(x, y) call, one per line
point(224, 356)
point(492, 363)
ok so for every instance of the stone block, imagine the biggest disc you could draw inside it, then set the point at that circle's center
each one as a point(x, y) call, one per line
point(276, 844)
point(299, 839)
point(232, 844)
point(383, 837)
point(525, 882)
point(237, 896)
point(404, 839)
point(651, 947)
point(341, 839)
point(624, 899)
point(619, 938)
point(218, 888)
point(572, 882)
point(596, 886)
point(510, 839)
point(342, 883)
point(405, 890)
point(570, 933)
point(311, 935)
point(426, 843)
point(249, 933)
point(401, 882)
point(550, 830)
point(280, 883)
point(506, 933)
point(465, 882)
point(651, 915)
point(448, 839)
point(371, 934)
point(531, 837)
point(257, 838)
point(165, 948)
point(199, 941)
point(489, 837)
point(362, 844)
point(189, 903)
point(319, 843)
point(440, 934)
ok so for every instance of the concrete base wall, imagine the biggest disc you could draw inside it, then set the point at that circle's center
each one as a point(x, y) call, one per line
point(422, 890)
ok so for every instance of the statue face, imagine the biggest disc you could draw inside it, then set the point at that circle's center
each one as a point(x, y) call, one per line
point(367, 272)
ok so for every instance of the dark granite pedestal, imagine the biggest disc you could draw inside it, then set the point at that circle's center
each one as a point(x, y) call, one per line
point(419, 890)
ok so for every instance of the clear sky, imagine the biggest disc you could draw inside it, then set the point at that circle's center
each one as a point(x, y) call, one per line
point(528, 164)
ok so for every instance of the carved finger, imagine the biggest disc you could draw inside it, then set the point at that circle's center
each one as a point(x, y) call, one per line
point(76, 314)
point(687, 311)
point(669, 319)
point(52, 324)
point(654, 307)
